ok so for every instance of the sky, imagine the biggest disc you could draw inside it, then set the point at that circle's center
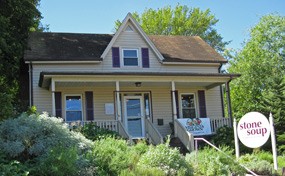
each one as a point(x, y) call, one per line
point(236, 17)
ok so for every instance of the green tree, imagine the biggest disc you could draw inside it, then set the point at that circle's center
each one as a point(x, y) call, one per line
point(273, 100)
point(180, 20)
point(17, 19)
point(261, 59)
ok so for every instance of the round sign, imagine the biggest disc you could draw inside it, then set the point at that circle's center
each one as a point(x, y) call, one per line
point(253, 129)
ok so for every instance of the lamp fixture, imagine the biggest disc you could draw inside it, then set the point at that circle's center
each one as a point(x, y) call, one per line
point(138, 84)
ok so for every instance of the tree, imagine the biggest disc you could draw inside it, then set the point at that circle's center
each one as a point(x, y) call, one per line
point(17, 19)
point(181, 20)
point(261, 59)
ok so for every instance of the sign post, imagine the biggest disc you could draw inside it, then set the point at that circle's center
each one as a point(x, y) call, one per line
point(273, 142)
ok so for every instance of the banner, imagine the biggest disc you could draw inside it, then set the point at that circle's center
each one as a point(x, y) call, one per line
point(197, 126)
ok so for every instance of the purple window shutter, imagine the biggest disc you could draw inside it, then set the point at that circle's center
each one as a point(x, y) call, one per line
point(202, 103)
point(89, 105)
point(58, 104)
point(116, 56)
point(145, 58)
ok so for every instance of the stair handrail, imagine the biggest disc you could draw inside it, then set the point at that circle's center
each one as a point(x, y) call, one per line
point(215, 147)
point(123, 132)
point(185, 137)
point(153, 133)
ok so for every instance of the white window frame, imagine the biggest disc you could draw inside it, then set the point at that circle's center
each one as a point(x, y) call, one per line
point(181, 107)
point(138, 57)
point(66, 95)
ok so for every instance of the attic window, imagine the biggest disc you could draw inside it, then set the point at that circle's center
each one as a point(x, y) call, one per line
point(129, 29)
point(130, 57)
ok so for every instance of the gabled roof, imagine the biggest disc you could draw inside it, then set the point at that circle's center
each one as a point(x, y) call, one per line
point(186, 49)
point(129, 18)
point(46, 46)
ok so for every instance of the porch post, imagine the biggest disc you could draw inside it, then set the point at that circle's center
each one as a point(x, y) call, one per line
point(174, 106)
point(174, 101)
point(229, 100)
point(53, 96)
point(118, 113)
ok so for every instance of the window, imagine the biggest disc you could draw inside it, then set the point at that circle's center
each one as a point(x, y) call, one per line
point(188, 106)
point(73, 108)
point(130, 57)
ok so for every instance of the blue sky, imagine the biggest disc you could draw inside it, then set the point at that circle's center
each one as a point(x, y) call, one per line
point(236, 17)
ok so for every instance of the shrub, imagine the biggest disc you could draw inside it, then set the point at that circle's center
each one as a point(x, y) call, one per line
point(211, 162)
point(224, 137)
point(111, 156)
point(258, 166)
point(166, 159)
point(93, 132)
point(28, 137)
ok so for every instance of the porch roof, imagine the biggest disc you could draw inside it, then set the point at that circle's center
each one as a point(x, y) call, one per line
point(209, 80)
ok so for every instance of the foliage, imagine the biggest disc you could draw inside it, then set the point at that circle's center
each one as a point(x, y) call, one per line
point(59, 161)
point(28, 137)
point(17, 19)
point(111, 156)
point(258, 166)
point(180, 20)
point(168, 160)
point(13, 168)
point(224, 137)
point(260, 61)
point(210, 162)
point(93, 132)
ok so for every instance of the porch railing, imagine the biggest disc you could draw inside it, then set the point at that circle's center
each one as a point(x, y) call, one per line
point(219, 122)
point(185, 137)
point(152, 133)
point(123, 132)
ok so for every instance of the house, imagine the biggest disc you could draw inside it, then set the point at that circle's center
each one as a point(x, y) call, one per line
point(129, 81)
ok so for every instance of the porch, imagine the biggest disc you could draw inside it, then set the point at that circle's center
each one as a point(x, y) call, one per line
point(140, 105)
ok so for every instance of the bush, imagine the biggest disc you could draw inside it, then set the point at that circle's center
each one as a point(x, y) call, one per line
point(211, 162)
point(58, 161)
point(111, 156)
point(166, 159)
point(32, 136)
point(258, 166)
point(93, 132)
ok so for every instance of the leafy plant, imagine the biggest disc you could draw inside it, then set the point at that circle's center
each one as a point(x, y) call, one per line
point(93, 132)
point(168, 160)
point(58, 161)
point(111, 156)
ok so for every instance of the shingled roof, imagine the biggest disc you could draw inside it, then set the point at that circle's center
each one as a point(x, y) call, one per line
point(48, 46)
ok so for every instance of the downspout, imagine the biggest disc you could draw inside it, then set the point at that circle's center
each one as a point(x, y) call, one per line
point(222, 94)
point(31, 84)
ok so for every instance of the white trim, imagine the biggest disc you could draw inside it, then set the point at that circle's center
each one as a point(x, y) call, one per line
point(65, 95)
point(195, 104)
point(63, 62)
point(140, 97)
point(136, 25)
point(174, 100)
point(53, 97)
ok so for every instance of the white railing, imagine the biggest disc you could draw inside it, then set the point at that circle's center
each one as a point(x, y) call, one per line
point(152, 133)
point(105, 124)
point(185, 137)
point(220, 122)
point(123, 132)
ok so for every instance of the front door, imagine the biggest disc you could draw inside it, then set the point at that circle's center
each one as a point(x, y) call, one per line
point(134, 116)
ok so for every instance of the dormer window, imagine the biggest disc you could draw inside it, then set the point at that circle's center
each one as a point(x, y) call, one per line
point(130, 57)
